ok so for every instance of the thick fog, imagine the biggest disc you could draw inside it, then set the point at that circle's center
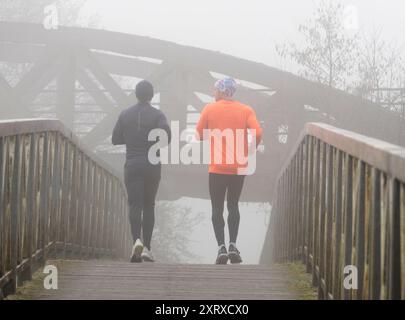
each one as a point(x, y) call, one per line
point(248, 30)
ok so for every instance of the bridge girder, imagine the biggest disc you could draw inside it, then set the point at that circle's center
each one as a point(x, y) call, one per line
point(92, 59)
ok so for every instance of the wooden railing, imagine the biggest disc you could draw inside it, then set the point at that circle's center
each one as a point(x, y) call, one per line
point(340, 201)
point(56, 199)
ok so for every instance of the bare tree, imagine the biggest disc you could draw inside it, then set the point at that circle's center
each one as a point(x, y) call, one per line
point(174, 226)
point(381, 70)
point(328, 52)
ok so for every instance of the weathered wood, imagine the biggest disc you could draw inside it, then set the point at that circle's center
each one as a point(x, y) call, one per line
point(15, 214)
point(32, 175)
point(2, 249)
point(121, 280)
point(44, 209)
point(355, 198)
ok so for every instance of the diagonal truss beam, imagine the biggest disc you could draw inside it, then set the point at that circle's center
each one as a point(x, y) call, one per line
point(88, 60)
point(99, 97)
point(103, 129)
point(42, 73)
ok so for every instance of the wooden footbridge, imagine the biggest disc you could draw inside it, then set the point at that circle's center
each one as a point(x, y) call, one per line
point(337, 190)
point(339, 202)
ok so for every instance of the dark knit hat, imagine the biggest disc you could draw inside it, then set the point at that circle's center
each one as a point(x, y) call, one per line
point(144, 91)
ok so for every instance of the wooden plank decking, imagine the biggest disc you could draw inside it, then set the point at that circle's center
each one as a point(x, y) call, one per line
point(121, 280)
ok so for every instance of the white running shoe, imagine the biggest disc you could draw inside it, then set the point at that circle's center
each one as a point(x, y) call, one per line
point(137, 250)
point(147, 255)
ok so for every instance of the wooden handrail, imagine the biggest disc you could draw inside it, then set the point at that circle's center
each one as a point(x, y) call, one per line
point(56, 198)
point(340, 201)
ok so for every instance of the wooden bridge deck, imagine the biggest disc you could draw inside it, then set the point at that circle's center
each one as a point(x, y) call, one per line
point(121, 280)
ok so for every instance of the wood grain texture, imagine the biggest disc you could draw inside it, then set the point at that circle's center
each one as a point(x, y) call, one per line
point(110, 280)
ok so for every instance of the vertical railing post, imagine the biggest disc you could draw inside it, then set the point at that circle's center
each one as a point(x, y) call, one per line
point(375, 250)
point(44, 197)
point(277, 220)
point(73, 202)
point(22, 193)
point(81, 204)
point(2, 225)
point(15, 214)
point(321, 233)
point(54, 212)
point(30, 202)
point(304, 199)
point(65, 209)
point(402, 223)
point(94, 216)
point(114, 217)
point(360, 232)
point(290, 207)
point(310, 206)
point(385, 217)
point(337, 268)
point(329, 208)
point(100, 211)
point(106, 219)
point(283, 218)
point(395, 240)
point(293, 212)
point(300, 205)
point(348, 218)
point(317, 186)
point(297, 213)
point(88, 207)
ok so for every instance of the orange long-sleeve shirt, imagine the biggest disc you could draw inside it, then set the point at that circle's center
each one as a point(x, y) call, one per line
point(232, 119)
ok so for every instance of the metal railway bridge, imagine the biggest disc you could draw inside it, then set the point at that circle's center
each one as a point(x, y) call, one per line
point(332, 167)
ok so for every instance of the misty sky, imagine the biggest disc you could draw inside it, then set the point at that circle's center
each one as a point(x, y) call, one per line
point(247, 29)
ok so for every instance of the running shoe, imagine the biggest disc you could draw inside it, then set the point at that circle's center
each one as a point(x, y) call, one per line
point(234, 254)
point(137, 250)
point(147, 255)
point(222, 257)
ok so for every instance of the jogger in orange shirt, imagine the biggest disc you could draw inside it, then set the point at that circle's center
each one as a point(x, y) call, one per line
point(226, 123)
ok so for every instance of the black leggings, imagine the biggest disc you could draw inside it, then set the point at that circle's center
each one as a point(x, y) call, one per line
point(218, 185)
point(142, 182)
